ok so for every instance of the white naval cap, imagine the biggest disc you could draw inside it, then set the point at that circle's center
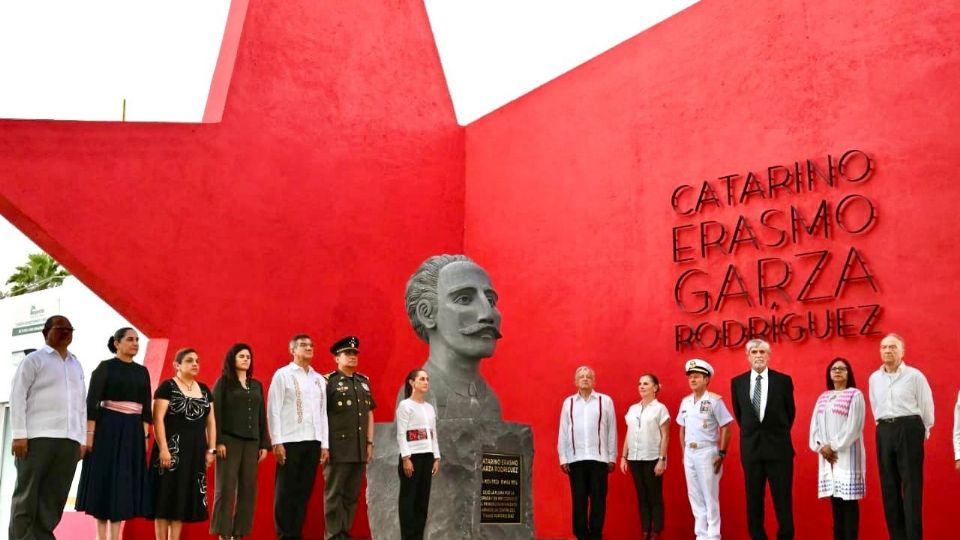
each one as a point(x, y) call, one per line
point(696, 365)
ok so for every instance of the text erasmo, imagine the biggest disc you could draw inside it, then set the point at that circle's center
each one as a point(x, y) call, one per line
point(771, 278)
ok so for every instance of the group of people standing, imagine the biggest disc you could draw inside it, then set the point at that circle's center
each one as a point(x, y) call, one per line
point(57, 421)
point(309, 419)
point(763, 406)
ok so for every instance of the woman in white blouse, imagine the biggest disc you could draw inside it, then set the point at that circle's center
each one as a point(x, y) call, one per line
point(836, 434)
point(419, 454)
point(645, 453)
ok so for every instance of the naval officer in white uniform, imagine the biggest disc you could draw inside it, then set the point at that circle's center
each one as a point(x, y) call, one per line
point(704, 434)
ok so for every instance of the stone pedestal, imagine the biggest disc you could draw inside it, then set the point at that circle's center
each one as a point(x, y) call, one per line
point(455, 493)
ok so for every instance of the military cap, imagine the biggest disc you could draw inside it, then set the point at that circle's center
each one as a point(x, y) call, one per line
point(696, 365)
point(349, 343)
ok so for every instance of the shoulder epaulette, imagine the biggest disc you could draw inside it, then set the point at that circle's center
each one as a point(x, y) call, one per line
point(358, 374)
point(714, 395)
point(328, 375)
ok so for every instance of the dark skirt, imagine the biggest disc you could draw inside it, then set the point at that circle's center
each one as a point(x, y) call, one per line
point(113, 478)
point(180, 492)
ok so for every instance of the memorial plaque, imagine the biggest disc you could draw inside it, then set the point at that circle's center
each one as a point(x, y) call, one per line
point(500, 488)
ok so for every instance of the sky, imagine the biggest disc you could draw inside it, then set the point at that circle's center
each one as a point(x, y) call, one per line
point(60, 59)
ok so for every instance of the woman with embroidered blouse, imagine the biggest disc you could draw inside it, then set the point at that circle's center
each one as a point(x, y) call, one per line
point(836, 434)
point(185, 446)
point(419, 454)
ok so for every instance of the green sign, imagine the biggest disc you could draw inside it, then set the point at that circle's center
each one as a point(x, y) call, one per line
point(28, 329)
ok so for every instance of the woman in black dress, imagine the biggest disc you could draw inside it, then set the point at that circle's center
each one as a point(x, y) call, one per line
point(185, 446)
point(112, 479)
point(242, 443)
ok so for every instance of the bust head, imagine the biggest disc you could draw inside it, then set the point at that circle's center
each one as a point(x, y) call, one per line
point(452, 306)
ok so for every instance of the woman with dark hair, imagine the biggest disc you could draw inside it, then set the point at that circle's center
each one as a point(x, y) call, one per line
point(419, 454)
point(836, 434)
point(645, 453)
point(242, 443)
point(184, 446)
point(112, 480)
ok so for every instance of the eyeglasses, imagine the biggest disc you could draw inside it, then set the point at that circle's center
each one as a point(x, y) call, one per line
point(838, 368)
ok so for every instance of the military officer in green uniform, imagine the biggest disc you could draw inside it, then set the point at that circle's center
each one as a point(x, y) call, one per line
point(350, 414)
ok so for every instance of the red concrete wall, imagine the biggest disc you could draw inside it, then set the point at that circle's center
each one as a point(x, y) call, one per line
point(337, 168)
point(568, 205)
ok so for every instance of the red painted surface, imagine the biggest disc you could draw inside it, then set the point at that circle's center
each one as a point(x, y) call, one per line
point(568, 205)
point(337, 168)
point(223, 72)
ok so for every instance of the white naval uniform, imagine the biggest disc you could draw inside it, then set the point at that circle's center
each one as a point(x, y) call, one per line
point(702, 421)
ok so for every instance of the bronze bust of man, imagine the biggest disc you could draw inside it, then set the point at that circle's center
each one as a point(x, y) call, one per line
point(453, 307)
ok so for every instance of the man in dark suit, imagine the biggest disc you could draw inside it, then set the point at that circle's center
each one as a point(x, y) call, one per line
point(764, 409)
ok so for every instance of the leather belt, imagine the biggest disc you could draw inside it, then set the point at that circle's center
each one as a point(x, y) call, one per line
point(913, 417)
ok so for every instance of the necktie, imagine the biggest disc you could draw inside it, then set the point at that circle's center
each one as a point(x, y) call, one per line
point(756, 395)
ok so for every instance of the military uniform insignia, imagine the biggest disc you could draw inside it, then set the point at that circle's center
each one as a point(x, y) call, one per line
point(365, 387)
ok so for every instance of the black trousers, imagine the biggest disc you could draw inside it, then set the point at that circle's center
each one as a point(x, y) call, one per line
point(414, 500)
point(236, 493)
point(900, 456)
point(588, 486)
point(846, 518)
point(43, 483)
point(294, 483)
point(779, 473)
point(649, 488)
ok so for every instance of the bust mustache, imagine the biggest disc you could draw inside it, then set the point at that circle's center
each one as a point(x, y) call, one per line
point(452, 306)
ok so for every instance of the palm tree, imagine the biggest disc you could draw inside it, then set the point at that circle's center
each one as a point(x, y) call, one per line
point(40, 272)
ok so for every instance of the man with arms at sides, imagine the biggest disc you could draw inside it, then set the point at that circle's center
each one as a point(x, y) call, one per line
point(297, 416)
point(48, 416)
point(587, 445)
point(350, 417)
point(704, 435)
point(452, 305)
point(764, 408)
point(902, 405)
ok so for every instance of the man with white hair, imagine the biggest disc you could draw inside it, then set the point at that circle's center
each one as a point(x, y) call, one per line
point(704, 435)
point(765, 410)
point(902, 405)
point(587, 445)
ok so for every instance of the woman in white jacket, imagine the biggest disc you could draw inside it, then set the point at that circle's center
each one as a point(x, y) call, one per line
point(836, 434)
point(419, 454)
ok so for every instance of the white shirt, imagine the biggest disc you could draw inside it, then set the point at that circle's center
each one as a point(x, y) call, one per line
point(48, 397)
point(643, 430)
point(420, 420)
point(702, 419)
point(956, 430)
point(764, 385)
point(904, 392)
point(588, 429)
point(297, 406)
